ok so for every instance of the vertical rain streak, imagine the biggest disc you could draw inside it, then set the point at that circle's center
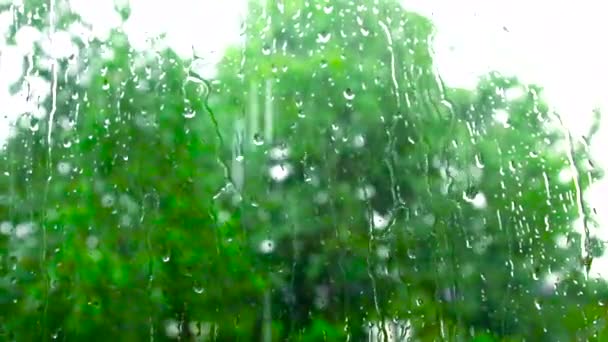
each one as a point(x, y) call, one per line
point(51, 119)
point(389, 40)
point(586, 255)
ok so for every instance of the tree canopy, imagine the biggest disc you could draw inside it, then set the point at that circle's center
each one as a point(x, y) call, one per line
point(325, 180)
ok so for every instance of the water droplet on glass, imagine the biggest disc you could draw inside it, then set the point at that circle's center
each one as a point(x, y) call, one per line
point(502, 116)
point(266, 50)
point(267, 246)
point(323, 37)
point(166, 258)
point(258, 140)
point(279, 152)
point(279, 172)
point(348, 94)
point(478, 162)
point(189, 114)
point(478, 201)
point(328, 9)
point(323, 63)
point(359, 141)
point(379, 221)
point(299, 102)
point(64, 168)
point(107, 200)
point(198, 289)
point(34, 125)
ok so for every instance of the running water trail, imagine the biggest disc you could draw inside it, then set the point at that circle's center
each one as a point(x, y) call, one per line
point(49, 163)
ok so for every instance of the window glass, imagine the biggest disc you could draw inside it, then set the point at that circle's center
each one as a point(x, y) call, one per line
point(303, 170)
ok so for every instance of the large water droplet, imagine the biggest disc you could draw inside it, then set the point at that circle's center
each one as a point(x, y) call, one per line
point(299, 102)
point(478, 162)
point(166, 257)
point(189, 114)
point(198, 289)
point(323, 37)
point(34, 124)
point(267, 246)
point(348, 94)
point(64, 168)
point(258, 140)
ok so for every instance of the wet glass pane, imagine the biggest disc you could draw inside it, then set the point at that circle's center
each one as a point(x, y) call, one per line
point(301, 170)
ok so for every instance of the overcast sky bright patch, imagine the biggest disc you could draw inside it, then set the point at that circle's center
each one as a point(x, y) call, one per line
point(555, 44)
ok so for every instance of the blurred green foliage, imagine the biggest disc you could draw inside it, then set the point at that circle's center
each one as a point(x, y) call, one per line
point(324, 180)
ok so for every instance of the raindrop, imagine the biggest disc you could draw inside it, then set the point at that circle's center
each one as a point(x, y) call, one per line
point(279, 153)
point(359, 141)
point(378, 221)
point(323, 63)
point(266, 50)
point(478, 201)
point(189, 114)
point(167, 257)
point(267, 246)
point(348, 94)
point(328, 9)
point(172, 329)
point(323, 37)
point(299, 102)
point(478, 162)
point(64, 168)
point(198, 289)
point(6, 228)
point(23, 230)
point(279, 172)
point(34, 124)
point(107, 201)
point(366, 192)
point(502, 116)
point(258, 140)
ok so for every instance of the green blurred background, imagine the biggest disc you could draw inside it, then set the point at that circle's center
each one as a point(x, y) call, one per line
point(325, 184)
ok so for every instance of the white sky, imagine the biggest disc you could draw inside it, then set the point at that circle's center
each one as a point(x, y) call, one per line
point(556, 44)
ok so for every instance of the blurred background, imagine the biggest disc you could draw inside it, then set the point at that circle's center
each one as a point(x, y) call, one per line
point(302, 170)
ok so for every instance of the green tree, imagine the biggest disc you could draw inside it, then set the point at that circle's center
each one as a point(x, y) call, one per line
point(405, 199)
point(115, 234)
